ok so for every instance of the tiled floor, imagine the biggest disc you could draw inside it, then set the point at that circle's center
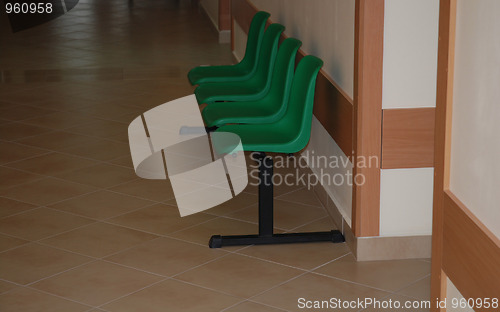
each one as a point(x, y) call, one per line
point(80, 232)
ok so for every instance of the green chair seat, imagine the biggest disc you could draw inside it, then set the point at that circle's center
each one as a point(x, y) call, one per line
point(268, 109)
point(291, 133)
point(244, 69)
point(253, 88)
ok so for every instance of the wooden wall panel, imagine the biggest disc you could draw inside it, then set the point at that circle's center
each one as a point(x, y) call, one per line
point(243, 12)
point(334, 110)
point(471, 252)
point(442, 141)
point(408, 138)
point(367, 127)
point(224, 15)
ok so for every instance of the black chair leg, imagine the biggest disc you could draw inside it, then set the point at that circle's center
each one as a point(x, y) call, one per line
point(266, 216)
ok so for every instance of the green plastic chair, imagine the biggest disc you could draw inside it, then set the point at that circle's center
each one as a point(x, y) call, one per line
point(253, 88)
point(289, 134)
point(268, 109)
point(244, 69)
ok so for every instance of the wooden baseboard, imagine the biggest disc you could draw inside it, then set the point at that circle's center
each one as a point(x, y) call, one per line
point(377, 247)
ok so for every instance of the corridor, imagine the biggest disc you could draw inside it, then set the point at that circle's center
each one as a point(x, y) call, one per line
point(79, 231)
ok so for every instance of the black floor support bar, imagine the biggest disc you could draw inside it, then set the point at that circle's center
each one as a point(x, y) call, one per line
point(266, 215)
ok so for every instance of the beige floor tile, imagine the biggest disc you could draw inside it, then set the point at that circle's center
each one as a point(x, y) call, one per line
point(221, 226)
point(157, 190)
point(278, 189)
point(29, 300)
point(305, 256)
point(172, 295)
point(249, 306)
point(33, 262)
point(284, 189)
point(14, 152)
point(9, 207)
point(312, 287)
point(17, 130)
point(124, 161)
point(101, 204)
point(39, 223)
point(65, 103)
point(111, 111)
point(6, 286)
point(238, 202)
point(9, 242)
point(99, 149)
point(239, 275)
point(388, 275)
point(59, 120)
point(302, 196)
point(390, 303)
point(323, 224)
point(119, 137)
point(159, 219)
point(100, 128)
point(35, 95)
point(127, 118)
point(57, 140)
point(166, 256)
point(287, 215)
point(98, 239)
point(420, 290)
point(149, 100)
point(52, 164)
point(96, 283)
point(46, 191)
point(22, 112)
point(13, 177)
point(100, 175)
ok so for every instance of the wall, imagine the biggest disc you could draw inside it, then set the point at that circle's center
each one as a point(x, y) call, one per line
point(410, 67)
point(475, 146)
point(326, 29)
point(322, 144)
point(410, 53)
point(452, 294)
point(211, 7)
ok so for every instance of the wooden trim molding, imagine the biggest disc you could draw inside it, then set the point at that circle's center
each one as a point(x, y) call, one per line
point(224, 15)
point(471, 252)
point(367, 125)
point(243, 12)
point(442, 141)
point(408, 138)
point(334, 110)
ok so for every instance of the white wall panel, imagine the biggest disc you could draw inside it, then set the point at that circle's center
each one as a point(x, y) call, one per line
point(410, 53)
point(475, 147)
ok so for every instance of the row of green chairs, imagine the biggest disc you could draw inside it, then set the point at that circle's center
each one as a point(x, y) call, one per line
point(270, 110)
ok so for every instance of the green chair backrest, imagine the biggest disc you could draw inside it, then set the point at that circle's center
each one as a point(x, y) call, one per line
point(254, 40)
point(267, 54)
point(298, 117)
point(282, 76)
